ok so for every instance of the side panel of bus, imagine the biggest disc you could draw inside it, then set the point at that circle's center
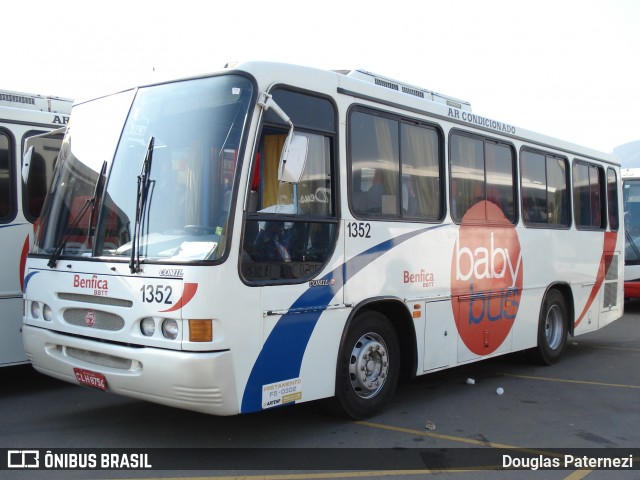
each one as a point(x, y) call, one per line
point(18, 210)
point(473, 286)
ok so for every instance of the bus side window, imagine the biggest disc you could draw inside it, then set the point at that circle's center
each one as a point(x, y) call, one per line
point(467, 174)
point(587, 196)
point(43, 160)
point(5, 178)
point(612, 199)
point(37, 186)
point(395, 166)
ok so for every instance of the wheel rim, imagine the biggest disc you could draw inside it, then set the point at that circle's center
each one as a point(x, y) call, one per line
point(553, 327)
point(369, 365)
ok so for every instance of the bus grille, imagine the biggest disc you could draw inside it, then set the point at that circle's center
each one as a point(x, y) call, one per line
point(99, 358)
point(81, 317)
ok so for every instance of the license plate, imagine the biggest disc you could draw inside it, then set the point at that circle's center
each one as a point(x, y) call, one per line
point(90, 379)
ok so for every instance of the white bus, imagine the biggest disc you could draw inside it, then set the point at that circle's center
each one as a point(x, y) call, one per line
point(22, 115)
point(631, 202)
point(273, 234)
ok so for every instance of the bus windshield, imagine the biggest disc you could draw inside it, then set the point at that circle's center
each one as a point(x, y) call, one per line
point(170, 170)
point(632, 221)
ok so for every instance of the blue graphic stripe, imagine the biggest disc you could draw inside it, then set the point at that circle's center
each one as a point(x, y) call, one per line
point(27, 278)
point(13, 225)
point(281, 356)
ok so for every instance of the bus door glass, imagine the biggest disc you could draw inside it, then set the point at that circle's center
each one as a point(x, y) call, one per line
point(290, 228)
point(42, 162)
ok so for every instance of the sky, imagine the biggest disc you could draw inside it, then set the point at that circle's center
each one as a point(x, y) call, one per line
point(565, 68)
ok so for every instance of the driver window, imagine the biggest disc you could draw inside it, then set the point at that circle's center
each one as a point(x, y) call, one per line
point(289, 229)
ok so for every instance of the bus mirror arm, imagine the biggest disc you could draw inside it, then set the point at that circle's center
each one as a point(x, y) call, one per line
point(294, 152)
point(266, 102)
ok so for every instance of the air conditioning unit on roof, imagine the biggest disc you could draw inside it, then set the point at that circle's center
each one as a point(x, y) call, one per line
point(408, 89)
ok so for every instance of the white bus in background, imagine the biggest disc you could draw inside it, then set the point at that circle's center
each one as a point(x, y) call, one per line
point(22, 116)
point(631, 201)
point(273, 234)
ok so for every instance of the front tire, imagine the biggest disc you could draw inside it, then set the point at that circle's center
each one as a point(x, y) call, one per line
point(552, 329)
point(368, 366)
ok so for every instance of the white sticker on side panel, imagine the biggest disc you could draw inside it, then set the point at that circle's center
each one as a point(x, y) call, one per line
point(281, 393)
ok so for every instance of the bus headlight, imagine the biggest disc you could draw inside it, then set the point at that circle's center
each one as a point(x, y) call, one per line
point(170, 328)
point(47, 313)
point(35, 310)
point(148, 326)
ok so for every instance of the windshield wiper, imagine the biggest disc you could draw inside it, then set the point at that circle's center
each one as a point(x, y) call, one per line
point(141, 200)
point(89, 202)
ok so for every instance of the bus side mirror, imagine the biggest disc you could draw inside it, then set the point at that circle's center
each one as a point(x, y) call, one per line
point(26, 164)
point(293, 158)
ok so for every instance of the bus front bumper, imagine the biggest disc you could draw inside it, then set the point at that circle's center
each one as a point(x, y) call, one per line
point(632, 289)
point(198, 381)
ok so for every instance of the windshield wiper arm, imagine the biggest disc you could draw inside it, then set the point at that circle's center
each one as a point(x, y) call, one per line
point(88, 202)
point(141, 201)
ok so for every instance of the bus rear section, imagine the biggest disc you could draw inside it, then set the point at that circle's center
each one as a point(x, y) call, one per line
point(23, 117)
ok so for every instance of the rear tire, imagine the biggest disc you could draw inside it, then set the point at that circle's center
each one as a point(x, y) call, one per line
point(552, 329)
point(368, 366)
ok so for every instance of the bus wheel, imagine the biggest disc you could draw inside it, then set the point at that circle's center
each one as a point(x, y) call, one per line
point(368, 366)
point(552, 329)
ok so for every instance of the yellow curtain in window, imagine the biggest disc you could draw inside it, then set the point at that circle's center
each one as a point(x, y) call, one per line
point(272, 148)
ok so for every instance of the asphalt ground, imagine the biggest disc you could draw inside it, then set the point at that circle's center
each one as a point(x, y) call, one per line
point(439, 426)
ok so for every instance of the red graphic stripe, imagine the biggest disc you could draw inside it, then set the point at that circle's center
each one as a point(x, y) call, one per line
point(23, 261)
point(605, 262)
point(187, 294)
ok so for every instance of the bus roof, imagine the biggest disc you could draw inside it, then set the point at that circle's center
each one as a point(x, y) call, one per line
point(407, 89)
point(630, 173)
point(31, 101)
point(373, 87)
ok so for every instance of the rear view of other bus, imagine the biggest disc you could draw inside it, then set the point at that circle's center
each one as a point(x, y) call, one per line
point(23, 116)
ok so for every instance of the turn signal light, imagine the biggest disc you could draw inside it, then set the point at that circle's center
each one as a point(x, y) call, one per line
point(200, 330)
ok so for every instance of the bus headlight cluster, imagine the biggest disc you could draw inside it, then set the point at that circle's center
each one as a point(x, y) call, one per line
point(41, 310)
point(168, 326)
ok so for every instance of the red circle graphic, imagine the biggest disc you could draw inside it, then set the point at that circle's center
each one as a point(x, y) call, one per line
point(486, 278)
